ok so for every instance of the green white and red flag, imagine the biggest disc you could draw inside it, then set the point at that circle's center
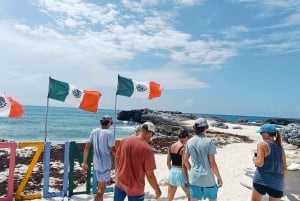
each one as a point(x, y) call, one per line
point(9, 107)
point(84, 99)
point(131, 88)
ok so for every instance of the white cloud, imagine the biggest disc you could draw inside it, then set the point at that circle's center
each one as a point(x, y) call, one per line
point(291, 4)
point(133, 5)
point(202, 52)
point(234, 31)
point(85, 13)
point(293, 19)
point(272, 4)
point(188, 2)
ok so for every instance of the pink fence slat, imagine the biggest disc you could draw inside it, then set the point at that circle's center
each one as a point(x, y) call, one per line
point(12, 159)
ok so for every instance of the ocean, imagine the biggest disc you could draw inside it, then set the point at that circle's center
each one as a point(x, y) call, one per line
point(73, 124)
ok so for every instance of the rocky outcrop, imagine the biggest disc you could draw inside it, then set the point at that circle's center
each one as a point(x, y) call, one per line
point(291, 134)
point(290, 129)
point(280, 121)
point(242, 121)
point(218, 124)
point(166, 122)
point(168, 125)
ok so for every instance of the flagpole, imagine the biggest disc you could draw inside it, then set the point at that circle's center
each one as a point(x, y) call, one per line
point(115, 116)
point(46, 119)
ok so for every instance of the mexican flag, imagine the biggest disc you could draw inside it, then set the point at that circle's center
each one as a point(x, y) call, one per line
point(10, 107)
point(68, 93)
point(131, 88)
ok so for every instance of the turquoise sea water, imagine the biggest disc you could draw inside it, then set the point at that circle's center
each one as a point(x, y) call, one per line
point(72, 124)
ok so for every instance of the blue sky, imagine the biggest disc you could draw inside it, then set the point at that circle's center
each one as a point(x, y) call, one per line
point(238, 57)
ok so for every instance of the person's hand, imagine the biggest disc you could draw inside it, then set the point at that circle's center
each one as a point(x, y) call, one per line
point(84, 166)
point(157, 194)
point(220, 182)
point(254, 159)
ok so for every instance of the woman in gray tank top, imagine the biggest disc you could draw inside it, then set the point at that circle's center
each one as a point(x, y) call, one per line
point(270, 162)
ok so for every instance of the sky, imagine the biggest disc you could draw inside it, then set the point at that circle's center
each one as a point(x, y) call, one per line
point(232, 57)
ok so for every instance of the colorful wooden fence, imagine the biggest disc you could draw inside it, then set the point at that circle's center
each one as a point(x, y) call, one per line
point(12, 158)
point(71, 153)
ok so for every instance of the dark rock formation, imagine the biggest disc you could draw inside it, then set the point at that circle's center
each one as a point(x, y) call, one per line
point(166, 122)
point(291, 134)
point(290, 129)
point(280, 121)
point(170, 123)
point(218, 124)
point(242, 121)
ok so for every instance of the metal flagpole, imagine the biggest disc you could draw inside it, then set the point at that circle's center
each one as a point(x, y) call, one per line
point(115, 123)
point(46, 120)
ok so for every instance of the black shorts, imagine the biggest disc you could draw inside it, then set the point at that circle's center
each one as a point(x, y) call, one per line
point(265, 189)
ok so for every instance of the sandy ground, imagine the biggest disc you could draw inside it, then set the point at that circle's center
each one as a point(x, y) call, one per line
point(235, 165)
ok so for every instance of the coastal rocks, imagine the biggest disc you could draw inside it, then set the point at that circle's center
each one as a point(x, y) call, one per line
point(170, 123)
point(280, 121)
point(218, 124)
point(290, 129)
point(242, 121)
point(291, 134)
point(3, 140)
point(167, 123)
point(237, 127)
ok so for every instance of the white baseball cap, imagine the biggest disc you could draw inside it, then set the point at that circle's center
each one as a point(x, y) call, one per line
point(200, 122)
point(148, 126)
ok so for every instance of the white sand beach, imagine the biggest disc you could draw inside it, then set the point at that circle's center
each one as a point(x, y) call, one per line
point(235, 165)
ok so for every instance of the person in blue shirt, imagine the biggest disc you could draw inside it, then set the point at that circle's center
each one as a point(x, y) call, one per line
point(203, 168)
point(270, 162)
point(103, 142)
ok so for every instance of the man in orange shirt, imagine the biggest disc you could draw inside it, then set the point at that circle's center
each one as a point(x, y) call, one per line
point(135, 160)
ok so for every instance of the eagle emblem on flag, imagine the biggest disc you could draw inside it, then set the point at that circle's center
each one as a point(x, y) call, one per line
point(141, 88)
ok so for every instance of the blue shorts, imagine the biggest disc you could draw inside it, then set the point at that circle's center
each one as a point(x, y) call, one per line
point(200, 193)
point(262, 189)
point(103, 176)
point(119, 195)
point(176, 177)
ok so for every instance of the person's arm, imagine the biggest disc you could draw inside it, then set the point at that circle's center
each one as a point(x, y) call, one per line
point(153, 183)
point(185, 171)
point(262, 151)
point(169, 159)
point(113, 150)
point(117, 158)
point(84, 164)
point(215, 169)
point(186, 162)
point(284, 165)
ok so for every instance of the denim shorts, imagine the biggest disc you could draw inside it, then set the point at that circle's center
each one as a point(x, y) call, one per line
point(119, 195)
point(204, 192)
point(176, 177)
point(262, 189)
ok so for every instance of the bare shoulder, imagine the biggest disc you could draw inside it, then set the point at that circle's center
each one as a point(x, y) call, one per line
point(262, 144)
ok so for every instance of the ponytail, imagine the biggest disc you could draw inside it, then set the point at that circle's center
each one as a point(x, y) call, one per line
point(278, 138)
